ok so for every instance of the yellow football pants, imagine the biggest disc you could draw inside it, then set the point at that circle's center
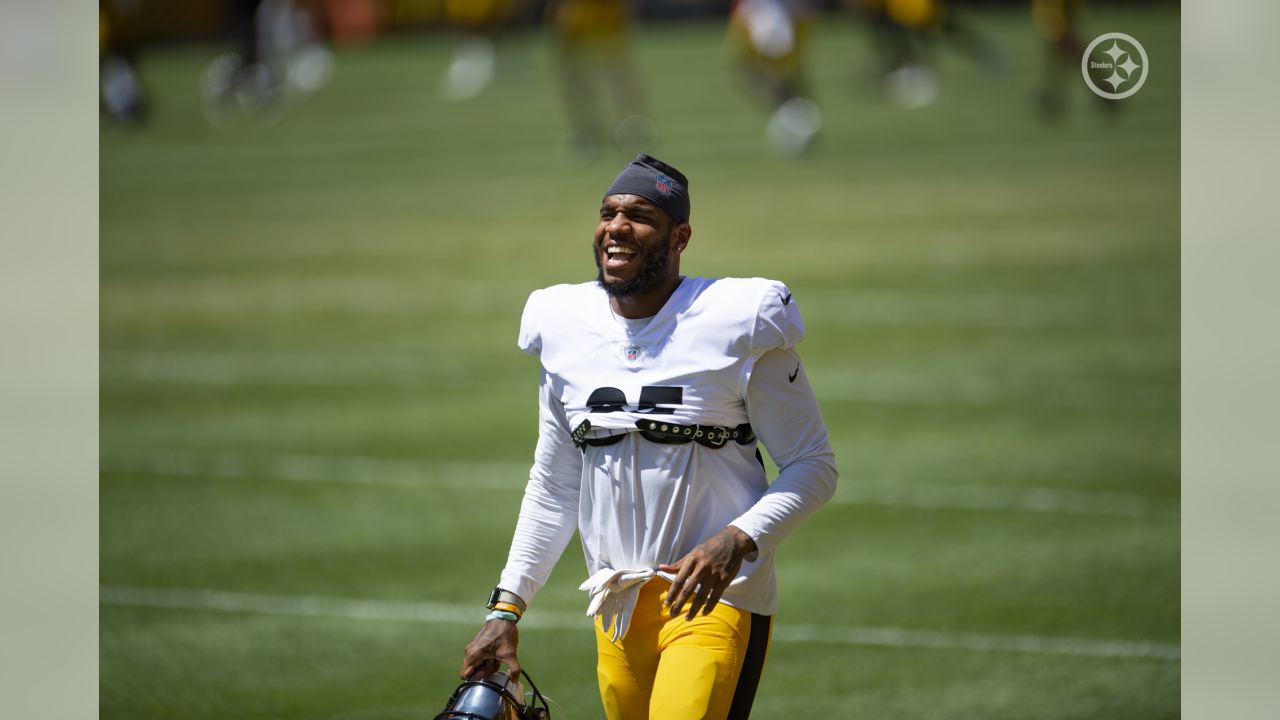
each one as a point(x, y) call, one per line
point(669, 668)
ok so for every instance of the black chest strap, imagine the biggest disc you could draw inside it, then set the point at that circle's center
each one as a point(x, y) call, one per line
point(711, 436)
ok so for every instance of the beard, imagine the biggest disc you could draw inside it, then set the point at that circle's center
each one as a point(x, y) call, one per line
point(652, 271)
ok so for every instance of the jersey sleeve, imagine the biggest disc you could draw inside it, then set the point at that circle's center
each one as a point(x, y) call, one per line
point(549, 511)
point(778, 323)
point(785, 416)
point(530, 339)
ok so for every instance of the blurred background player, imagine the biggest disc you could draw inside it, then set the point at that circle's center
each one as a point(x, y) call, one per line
point(904, 33)
point(1058, 21)
point(592, 49)
point(121, 96)
point(475, 58)
point(278, 54)
point(768, 38)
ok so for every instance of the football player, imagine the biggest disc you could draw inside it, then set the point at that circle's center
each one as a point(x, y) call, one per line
point(1058, 23)
point(655, 389)
point(474, 62)
point(279, 57)
point(769, 39)
point(121, 95)
point(904, 33)
point(591, 52)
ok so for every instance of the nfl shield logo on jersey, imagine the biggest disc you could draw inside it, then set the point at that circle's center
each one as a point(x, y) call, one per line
point(632, 352)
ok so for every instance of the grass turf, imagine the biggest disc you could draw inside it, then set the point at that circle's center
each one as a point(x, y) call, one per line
point(310, 386)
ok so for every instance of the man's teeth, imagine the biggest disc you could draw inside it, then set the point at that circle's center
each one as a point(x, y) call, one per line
point(619, 250)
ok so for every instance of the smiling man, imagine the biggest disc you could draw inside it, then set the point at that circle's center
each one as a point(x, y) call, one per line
point(655, 389)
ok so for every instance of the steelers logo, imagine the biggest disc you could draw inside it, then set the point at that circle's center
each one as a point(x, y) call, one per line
point(1114, 66)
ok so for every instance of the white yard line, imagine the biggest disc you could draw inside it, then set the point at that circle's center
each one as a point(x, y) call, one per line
point(1147, 313)
point(358, 470)
point(274, 368)
point(1039, 644)
point(985, 310)
point(946, 496)
point(428, 612)
point(846, 384)
point(348, 469)
point(965, 389)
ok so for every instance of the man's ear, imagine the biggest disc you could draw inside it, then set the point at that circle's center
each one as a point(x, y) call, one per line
point(681, 235)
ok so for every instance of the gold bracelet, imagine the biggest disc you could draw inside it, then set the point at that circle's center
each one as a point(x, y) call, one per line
point(507, 607)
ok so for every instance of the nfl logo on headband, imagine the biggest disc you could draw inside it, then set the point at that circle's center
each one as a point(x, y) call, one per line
point(663, 184)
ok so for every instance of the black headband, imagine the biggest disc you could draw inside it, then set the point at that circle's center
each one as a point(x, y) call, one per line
point(657, 182)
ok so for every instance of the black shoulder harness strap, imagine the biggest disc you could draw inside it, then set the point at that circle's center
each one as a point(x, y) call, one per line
point(711, 436)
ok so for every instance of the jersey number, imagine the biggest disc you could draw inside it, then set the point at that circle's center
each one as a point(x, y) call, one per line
point(652, 399)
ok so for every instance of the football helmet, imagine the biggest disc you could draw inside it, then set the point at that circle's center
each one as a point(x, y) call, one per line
point(497, 697)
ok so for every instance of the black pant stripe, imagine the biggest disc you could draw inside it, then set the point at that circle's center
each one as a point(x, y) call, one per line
point(744, 694)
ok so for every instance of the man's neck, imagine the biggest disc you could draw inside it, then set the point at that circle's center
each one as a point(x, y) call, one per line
point(647, 304)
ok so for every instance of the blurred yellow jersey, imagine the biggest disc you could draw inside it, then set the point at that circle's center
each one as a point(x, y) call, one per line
point(919, 14)
point(104, 31)
point(584, 19)
point(914, 13)
point(477, 13)
point(1055, 18)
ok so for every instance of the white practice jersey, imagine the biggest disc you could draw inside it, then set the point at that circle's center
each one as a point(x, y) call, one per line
point(719, 353)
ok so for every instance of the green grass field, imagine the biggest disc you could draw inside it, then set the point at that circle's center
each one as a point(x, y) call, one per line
point(315, 423)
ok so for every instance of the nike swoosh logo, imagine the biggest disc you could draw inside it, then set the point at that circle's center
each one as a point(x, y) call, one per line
point(792, 377)
point(787, 300)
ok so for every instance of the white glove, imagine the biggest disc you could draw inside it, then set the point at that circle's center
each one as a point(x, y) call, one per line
point(613, 597)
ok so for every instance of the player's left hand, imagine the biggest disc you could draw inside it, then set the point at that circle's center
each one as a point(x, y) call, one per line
point(706, 571)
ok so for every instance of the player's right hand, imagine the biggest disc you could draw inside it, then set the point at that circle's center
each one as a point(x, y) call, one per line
point(703, 574)
point(493, 646)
